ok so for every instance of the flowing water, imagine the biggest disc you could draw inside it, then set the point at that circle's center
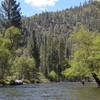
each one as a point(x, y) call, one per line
point(51, 91)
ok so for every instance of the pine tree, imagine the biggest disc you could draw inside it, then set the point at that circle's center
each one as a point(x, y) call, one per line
point(11, 12)
point(34, 49)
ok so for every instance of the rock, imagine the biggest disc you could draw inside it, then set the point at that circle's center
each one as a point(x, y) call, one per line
point(16, 82)
point(1, 85)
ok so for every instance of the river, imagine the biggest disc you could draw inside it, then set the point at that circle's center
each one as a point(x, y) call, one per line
point(51, 91)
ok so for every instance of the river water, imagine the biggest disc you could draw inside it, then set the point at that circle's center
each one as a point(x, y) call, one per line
point(51, 91)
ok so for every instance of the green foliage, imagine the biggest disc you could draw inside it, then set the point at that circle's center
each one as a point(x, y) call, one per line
point(53, 49)
point(85, 54)
point(14, 35)
point(41, 78)
point(11, 13)
point(65, 64)
point(4, 62)
point(34, 49)
point(53, 30)
point(23, 67)
point(97, 40)
point(82, 37)
point(94, 58)
point(53, 76)
point(5, 43)
point(77, 70)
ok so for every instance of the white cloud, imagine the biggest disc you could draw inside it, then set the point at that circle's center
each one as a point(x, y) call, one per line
point(41, 3)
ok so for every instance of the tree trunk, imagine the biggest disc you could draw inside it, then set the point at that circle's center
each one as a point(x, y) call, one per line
point(96, 79)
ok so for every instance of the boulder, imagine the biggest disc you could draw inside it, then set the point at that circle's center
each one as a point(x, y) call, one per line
point(16, 82)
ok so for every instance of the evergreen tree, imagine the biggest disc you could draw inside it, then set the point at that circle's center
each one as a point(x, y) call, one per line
point(11, 12)
point(34, 49)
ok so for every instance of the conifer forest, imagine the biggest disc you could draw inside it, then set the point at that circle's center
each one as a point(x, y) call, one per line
point(50, 46)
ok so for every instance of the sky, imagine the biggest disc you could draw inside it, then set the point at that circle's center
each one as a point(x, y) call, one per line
point(31, 7)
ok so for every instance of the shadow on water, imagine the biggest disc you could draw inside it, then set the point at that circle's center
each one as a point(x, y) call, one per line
point(52, 91)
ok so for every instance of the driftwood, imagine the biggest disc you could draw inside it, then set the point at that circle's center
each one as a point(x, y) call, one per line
point(96, 79)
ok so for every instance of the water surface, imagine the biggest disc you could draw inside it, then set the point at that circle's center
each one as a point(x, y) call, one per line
point(51, 91)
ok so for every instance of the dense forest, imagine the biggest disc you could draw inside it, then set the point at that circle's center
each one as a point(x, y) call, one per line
point(51, 46)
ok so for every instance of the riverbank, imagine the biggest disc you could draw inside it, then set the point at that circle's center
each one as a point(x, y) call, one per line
point(27, 82)
point(22, 82)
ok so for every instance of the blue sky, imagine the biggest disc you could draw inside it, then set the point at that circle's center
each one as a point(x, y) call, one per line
point(31, 7)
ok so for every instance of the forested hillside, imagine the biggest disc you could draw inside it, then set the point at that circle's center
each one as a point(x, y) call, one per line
point(87, 14)
point(62, 45)
point(53, 30)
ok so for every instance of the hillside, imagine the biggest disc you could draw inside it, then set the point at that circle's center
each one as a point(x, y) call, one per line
point(64, 21)
point(51, 45)
point(53, 30)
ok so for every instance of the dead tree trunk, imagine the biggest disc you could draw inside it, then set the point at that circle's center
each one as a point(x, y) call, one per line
point(96, 79)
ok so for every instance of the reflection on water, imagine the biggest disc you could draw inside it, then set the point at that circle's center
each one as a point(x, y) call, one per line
point(52, 91)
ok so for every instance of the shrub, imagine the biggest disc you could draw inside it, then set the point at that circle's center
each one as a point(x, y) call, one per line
point(53, 76)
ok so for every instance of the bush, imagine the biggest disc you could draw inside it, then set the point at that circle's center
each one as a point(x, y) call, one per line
point(77, 71)
point(53, 76)
point(3, 82)
point(23, 67)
